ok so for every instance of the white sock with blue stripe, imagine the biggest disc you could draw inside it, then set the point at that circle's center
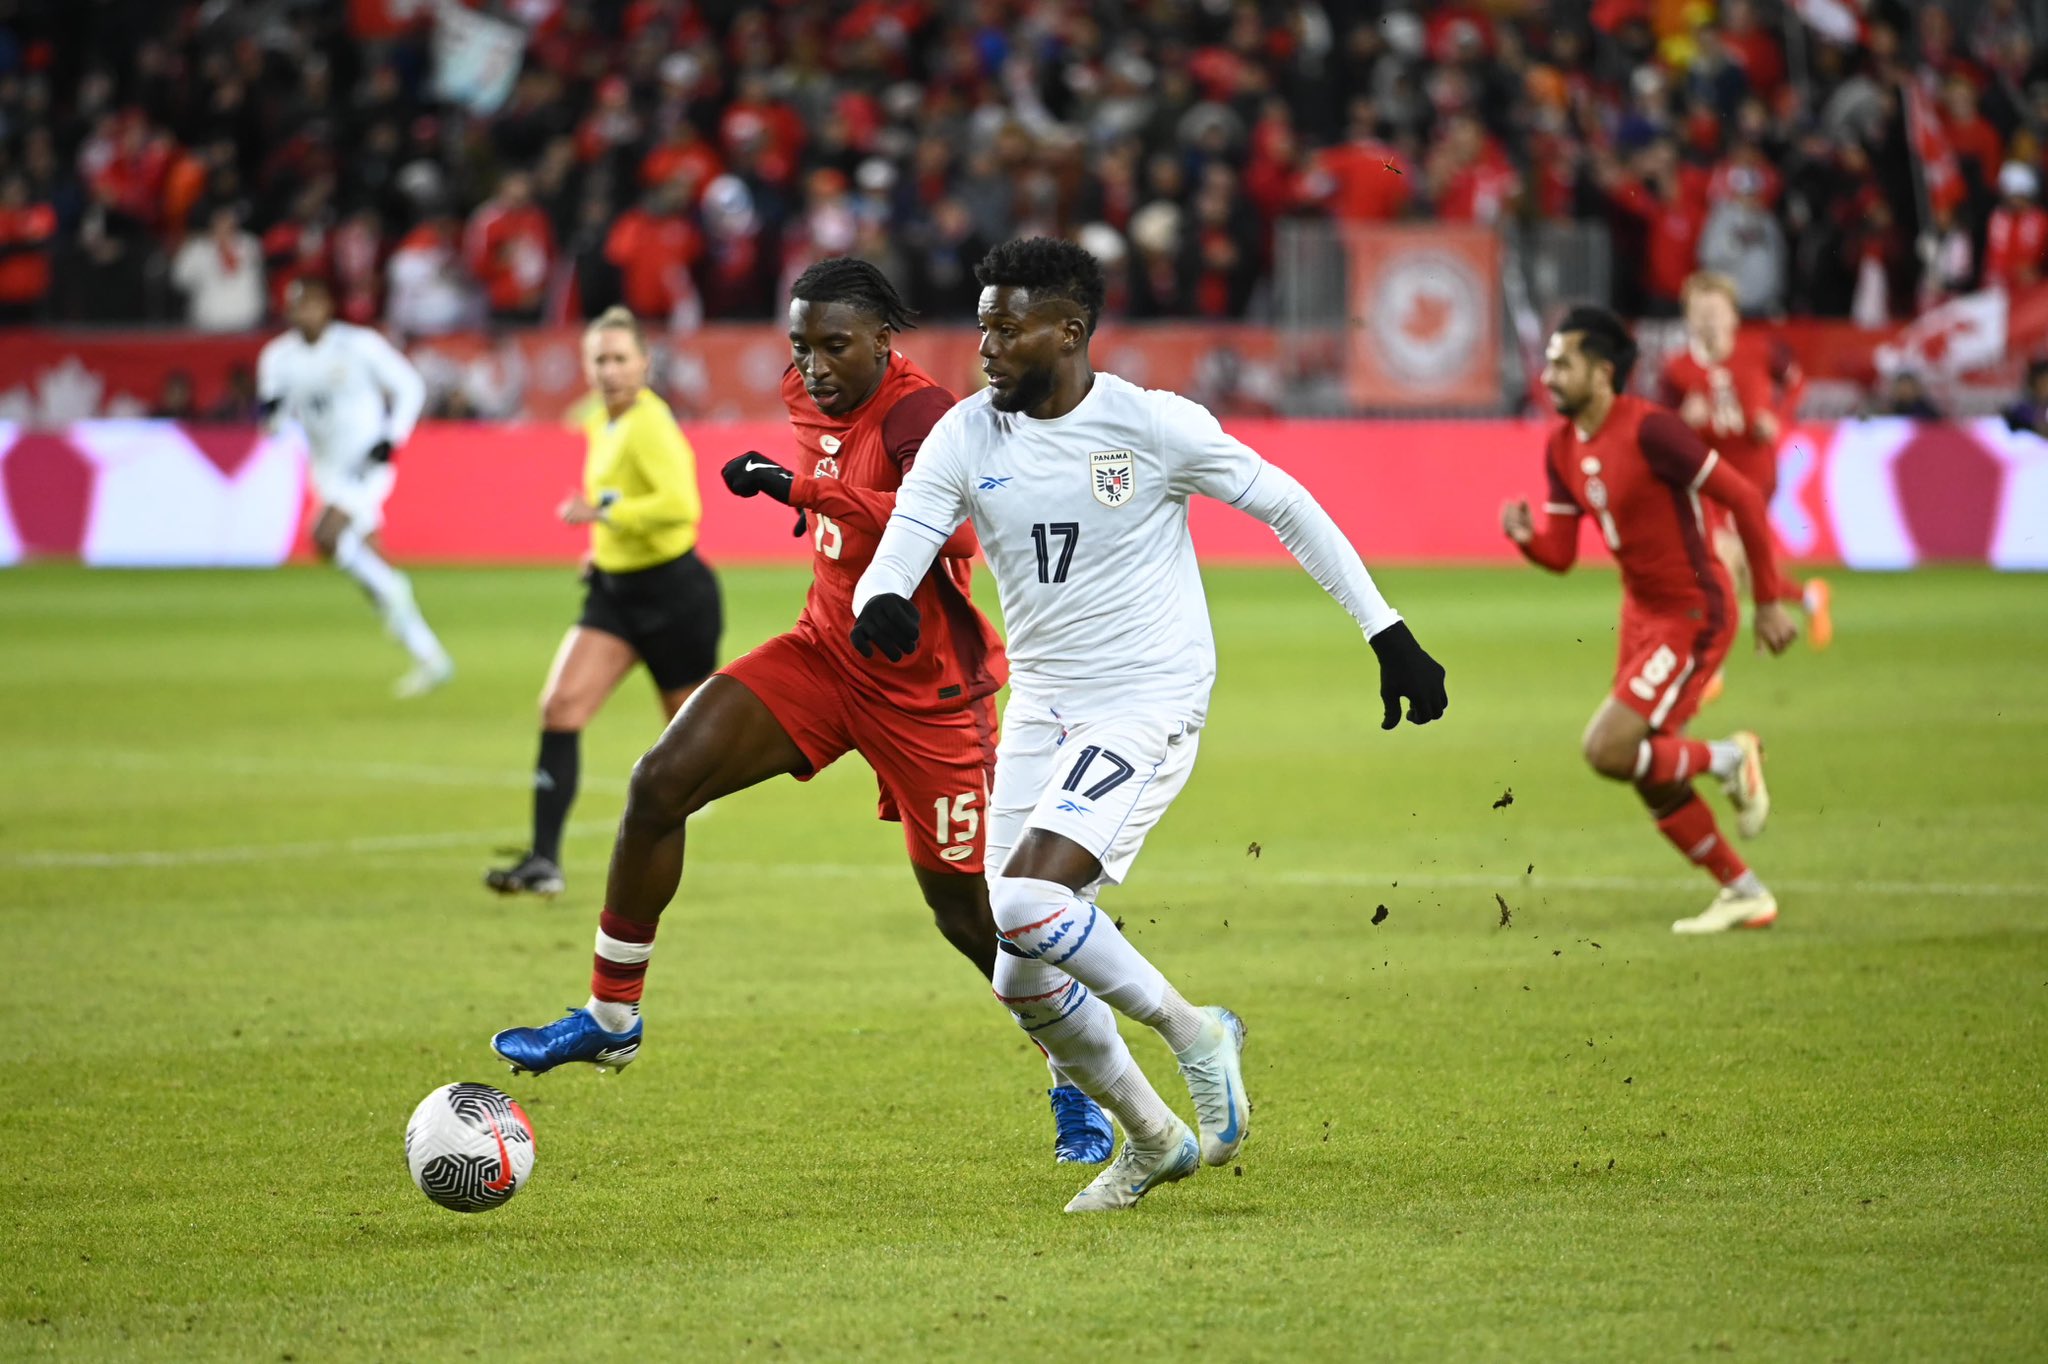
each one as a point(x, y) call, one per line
point(1050, 923)
point(1079, 1034)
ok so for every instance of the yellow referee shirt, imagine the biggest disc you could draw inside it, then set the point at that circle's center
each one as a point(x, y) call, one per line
point(641, 470)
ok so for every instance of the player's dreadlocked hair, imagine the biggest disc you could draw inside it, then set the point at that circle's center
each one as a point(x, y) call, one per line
point(1049, 267)
point(1603, 337)
point(852, 281)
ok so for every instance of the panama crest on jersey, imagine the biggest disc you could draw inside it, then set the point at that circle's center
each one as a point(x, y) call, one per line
point(1110, 476)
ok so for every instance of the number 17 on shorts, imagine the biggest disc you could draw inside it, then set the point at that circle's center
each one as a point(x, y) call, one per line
point(1103, 786)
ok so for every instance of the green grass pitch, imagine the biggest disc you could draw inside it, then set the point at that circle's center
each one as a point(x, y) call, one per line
point(241, 933)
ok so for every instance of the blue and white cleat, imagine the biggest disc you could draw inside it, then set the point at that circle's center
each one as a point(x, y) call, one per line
point(1083, 1135)
point(1214, 1070)
point(1137, 1171)
point(573, 1037)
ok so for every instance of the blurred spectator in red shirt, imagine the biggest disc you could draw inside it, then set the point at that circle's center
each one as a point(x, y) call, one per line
point(1754, 48)
point(1363, 179)
point(758, 117)
point(1457, 32)
point(682, 156)
point(1470, 178)
point(26, 231)
point(358, 258)
point(299, 246)
point(1977, 144)
point(510, 248)
point(654, 246)
point(129, 165)
point(611, 126)
point(2018, 233)
point(1671, 220)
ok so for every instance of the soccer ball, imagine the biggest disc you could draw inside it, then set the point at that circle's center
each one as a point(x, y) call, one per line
point(470, 1147)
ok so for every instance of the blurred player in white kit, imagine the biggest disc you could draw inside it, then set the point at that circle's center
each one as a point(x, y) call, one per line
point(357, 399)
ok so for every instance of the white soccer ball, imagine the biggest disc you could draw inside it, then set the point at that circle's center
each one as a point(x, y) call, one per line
point(470, 1147)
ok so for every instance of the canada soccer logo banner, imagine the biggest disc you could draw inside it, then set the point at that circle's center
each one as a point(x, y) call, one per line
point(1424, 304)
point(1110, 474)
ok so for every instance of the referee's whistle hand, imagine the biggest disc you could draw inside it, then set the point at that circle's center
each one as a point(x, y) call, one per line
point(578, 510)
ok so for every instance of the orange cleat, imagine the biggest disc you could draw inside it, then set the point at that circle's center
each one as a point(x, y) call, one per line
point(1818, 600)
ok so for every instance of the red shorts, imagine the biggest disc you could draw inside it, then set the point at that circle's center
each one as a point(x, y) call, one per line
point(934, 769)
point(1664, 666)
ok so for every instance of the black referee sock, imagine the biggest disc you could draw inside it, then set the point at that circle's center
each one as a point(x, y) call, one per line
point(554, 790)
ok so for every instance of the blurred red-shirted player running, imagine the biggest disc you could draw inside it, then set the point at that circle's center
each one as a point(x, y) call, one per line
point(1641, 473)
point(1739, 396)
point(927, 725)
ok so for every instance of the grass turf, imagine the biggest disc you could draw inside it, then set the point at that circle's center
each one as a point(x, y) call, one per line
point(242, 934)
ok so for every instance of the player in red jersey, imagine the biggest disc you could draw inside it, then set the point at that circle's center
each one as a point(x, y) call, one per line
point(1740, 397)
point(1641, 474)
point(927, 725)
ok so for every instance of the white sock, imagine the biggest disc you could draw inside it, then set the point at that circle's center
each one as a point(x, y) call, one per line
point(1137, 1107)
point(1053, 1068)
point(391, 590)
point(1178, 1021)
point(1051, 924)
point(612, 1015)
point(1748, 884)
point(1727, 759)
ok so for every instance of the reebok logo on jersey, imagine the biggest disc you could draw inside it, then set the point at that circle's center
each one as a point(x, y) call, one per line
point(1069, 807)
point(1110, 476)
point(991, 483)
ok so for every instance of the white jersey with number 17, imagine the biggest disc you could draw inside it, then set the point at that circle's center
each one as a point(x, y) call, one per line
point(1084, 519)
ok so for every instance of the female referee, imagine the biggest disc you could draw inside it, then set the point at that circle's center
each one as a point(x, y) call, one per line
point(650, 598)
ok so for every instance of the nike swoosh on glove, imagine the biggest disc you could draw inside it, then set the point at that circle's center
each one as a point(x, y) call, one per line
point(753, 473)
point(1406, 671)
point(889, 623)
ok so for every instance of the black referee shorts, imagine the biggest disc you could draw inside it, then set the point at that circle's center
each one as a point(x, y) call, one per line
point(669, 613)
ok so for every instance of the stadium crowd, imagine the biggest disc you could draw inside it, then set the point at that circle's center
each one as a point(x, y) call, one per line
point(174, 160)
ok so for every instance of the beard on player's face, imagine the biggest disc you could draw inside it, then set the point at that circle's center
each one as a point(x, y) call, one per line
point(1030, 388)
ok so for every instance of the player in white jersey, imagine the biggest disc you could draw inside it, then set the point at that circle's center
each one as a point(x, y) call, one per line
point(357, 399)
point(1078, 486)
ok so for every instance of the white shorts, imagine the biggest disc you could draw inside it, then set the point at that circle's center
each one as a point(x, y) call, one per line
point(1104, 784)
point(357, 493)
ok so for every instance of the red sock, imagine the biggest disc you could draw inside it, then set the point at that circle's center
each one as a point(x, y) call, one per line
point(620, 967)
point(1662, 760)
point(1692, 831)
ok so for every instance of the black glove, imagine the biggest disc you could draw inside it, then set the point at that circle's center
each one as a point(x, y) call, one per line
point(888, 623)
point(380, 453)
point(1405, 670)
point(754, 472)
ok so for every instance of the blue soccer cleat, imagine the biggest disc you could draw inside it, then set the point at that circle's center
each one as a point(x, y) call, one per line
point(573, 1037)
point(1083, 1135)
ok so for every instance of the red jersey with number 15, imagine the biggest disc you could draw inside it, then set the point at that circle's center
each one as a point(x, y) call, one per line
point(1639, 478)
point(847, 474)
